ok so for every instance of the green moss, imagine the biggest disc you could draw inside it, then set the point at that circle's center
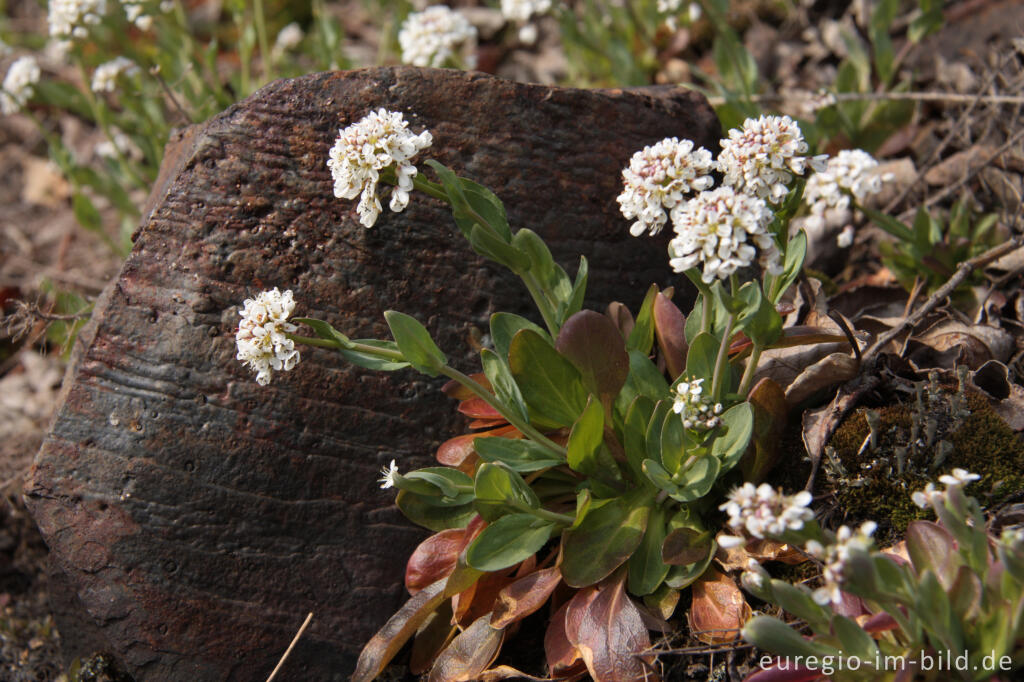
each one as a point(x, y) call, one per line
point(872, 488)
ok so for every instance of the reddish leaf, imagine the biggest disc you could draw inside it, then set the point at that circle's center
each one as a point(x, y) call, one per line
point(383, 646)
point(479, 599)
point(562, 656)
point(434, 559)
point(669, 323)
point(880, 622)
point(453, 389)
point(469, 654)
point(593, 344)
point(478, 409)
point(786, 673)
point(524, 596)
point(718, 610)
point(685, 546)
point(932, 547)
point(454, 451)
point(770, 412)
point(486, 423)
point(609, 633)
point(621, 318)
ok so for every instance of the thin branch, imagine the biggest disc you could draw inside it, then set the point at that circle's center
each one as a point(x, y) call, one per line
point(288, 651)
point(948, 97)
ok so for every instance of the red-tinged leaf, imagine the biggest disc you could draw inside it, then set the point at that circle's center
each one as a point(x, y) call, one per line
point(669, 323)
point(593, 344)
point(718, 609)
point(476, 408)
point(479, 599)
point(528, 565)
point(432, 637)
point(453, 389)
point(931, 547)
point(786, 672)
point(770, 413)
point(486, 423)
point(454, 451)
point(880, 622)
point(562, 656)
point(433, 559)
point(469, 654)
point(609, 633)
point(383, 646)
point(621, 318)
point(523, 597)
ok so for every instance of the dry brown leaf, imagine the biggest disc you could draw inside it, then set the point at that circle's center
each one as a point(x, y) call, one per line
point(469, 654)
point(562, 655)
point(524, 596)
point(974, 345)
point(44, 184)
point(829, 371)
point(609, 633)
point(718, 610)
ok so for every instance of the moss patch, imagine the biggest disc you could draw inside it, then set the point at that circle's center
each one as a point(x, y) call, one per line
point(872, 489)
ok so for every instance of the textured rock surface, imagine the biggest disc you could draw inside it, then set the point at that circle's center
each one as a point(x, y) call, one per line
point(195, 517)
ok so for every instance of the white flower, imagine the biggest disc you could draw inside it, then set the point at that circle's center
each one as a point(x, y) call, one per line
point(715, 231)
point(380, 139)
point(120, 145)
point(70, 18)
point(437, 36)
point(959, 477)
point(765, 512)
point(755, 578)
point(928, 497)
point(136, 13)
point(261, 337)
point(657, 178)
point(762, 158)
point(104, 78)
point(850, 169)
point(730, 541)
point(387, 476)
point(522, 10)
point(845, 238)
point(666, 6)
point(18, 84)
point(694, 409)
point(288, 39)
point(835, 558)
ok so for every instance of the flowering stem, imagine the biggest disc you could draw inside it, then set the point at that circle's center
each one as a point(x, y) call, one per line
point(723, 359)
point(320, 343)
point(485, 395)
point(748, 373)
point(541, 300)
point(260, 19)
point(419, 182)
point(546, 515)
point(705, 314)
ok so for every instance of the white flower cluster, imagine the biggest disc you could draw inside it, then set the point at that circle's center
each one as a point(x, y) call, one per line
point(764, 512)
point(71, 18)
point(135, 10)
point(932, 497)
point(387, 476)
point(437, 36)
point(657, 178)
point(715, 230)
point(380, 139)
point(522, 10)
point(852, 170)
point(261, 337)
point(762, 158)
point(104, 78)
point(755, 578)
point(18, 84)
point(835, 557)
point(288, 38)
point(119, 145)
point(695, 410)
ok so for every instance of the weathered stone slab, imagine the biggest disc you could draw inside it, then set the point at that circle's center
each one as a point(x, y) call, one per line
point(195, 517)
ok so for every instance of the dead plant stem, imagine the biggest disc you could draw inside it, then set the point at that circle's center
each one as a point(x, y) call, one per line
point(288, 651)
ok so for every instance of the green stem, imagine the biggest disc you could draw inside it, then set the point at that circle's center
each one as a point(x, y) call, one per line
point(261, 36)
point(419, 182)
point(748, 373)
point(322, 343)
point(485, 395)
point(542, 301)
point(101, 121)
point(705, 315)
point(541, 513)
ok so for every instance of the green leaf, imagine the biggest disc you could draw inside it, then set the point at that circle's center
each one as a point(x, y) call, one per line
point(508, 541)
point(927, 22)
point(771, 634)
point(586, 438)
point(324, 330)
point(574, 302)
point(798, 601)
point(414, 341)
point(645, 378)
point(855, 641)
point(86, 213)
point(657, 475)
point(680, 577)
point(646, 569)
point(488, 206)
point(551, 386)
point(605, 539)
point(523, 456)
point(686, 546)
point(492, 247)
point(369, 361)
point(761, 323)
point(505, 387)
point(674, 442)
point(542, 266)
point(796, 252)
point(499, 490)
point(889, 224)
point(505, 325)
point(594, 346)
point(696, 482)
point(424, 511)
point(702, 356)
point(634, 428)
point(642, 337)
point(654, 428)
point(738, 421)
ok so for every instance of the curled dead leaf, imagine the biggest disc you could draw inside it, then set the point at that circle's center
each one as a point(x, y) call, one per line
point(718, 610)
point(469, 654)
point(524, 596)
point(828, 371)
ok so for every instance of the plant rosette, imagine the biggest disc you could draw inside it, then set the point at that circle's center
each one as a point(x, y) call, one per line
point(601, 446)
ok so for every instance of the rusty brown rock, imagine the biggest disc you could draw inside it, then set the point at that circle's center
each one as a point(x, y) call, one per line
point(195, 517)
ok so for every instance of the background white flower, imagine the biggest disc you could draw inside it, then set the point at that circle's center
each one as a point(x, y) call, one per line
point(261, 337)
point(718, 231)
point(765, 512)
point(836, 556)
point(18, 84)
point(71, 18)
point(851, 169)
point(522, 10)
point(437, 36)
point(104, 78)
point(657, 178)
point(288, 38)
point(380, 139)
point(762, 157)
